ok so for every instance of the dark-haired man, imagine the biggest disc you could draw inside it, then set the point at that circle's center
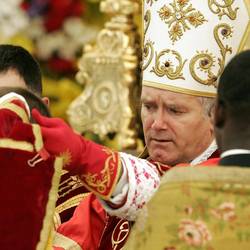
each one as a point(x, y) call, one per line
point(19, 68)
point(232, 120)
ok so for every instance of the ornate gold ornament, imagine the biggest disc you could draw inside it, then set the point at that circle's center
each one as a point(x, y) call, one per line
point(110, 72)
point(178, 16)
point(166, 66)
point(204, 61)
point(223, 7)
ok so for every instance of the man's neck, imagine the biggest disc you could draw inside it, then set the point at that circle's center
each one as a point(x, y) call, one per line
point(205, 155)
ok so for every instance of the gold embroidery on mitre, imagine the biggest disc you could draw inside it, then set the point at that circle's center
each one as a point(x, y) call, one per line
point(167, 67)
point(150, 2)
point(223, 9)
point(147, 20)
point(179, 15)
point(148, 49)
point(148, 54)
point(204, 61)
point(100, 182)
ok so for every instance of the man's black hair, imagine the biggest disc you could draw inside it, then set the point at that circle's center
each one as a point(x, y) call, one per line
point(234, 86)
point(19, 59)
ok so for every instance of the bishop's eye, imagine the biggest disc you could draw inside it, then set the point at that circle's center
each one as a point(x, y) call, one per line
point(174, 110)
point(148, 106)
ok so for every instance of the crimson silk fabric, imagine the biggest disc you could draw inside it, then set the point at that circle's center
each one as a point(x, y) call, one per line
point(23, 189)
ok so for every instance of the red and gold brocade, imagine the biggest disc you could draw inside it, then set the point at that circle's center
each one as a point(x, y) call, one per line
point(28, 184)
point(92, 228)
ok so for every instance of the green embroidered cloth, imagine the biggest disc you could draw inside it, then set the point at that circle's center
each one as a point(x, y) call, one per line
point(197, 208)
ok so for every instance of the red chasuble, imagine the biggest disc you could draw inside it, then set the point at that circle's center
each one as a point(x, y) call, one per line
point(92, 228)
point(28, 182)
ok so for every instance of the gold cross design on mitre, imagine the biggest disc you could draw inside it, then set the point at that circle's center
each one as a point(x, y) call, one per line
point(179, 15)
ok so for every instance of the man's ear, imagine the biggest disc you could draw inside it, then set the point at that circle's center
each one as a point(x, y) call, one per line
point(46, 100)
point(219, 114)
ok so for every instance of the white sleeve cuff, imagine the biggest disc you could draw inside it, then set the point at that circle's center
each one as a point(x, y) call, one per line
point(142, 182)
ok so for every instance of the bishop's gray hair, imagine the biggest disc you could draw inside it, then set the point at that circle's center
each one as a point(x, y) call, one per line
point(208, 104)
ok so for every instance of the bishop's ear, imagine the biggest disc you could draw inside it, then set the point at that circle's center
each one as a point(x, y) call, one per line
point(219, 114)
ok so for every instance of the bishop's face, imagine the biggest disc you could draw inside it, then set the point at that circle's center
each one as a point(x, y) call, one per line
point(175, 127)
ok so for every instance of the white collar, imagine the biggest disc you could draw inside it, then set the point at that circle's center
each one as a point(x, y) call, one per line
point(234, 152)
point(205, 155)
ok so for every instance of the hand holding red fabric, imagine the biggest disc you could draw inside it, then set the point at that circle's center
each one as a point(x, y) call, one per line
point(59, 139)
point(98, 166)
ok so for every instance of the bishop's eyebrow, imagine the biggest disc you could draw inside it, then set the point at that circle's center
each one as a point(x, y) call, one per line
point(146, 99)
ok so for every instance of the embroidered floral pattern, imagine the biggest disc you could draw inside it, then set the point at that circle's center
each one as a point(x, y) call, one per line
point(194, 233)
point(179, 16)
point(144, 181)
point(197, 213)
point(226, 211)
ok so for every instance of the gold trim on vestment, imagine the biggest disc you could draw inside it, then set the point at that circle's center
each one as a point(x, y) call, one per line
point(13, 144)
point(65, 242)
point(47, 230)
point(72, 202)
point(56, 220)
point(38, 137)
point(201, 174)
point(90, 179)
point(17, 110)
point(69, 185)
point(177, 89)
point(122, 231)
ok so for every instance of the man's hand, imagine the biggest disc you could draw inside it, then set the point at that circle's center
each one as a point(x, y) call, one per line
point(98, 167)
point(60, 140)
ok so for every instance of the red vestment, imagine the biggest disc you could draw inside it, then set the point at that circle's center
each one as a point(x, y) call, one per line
point(28, 184)
point(92, 228)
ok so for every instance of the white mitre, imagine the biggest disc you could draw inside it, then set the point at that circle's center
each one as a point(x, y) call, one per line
point(187, 43)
